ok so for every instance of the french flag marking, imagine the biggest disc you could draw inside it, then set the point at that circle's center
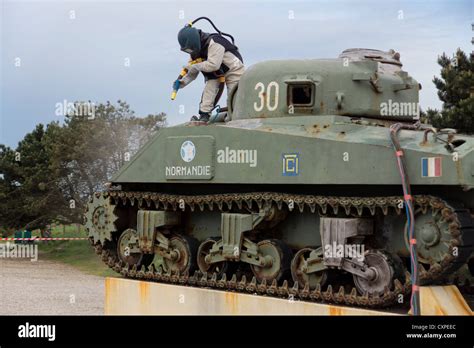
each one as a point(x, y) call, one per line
point(431, 167)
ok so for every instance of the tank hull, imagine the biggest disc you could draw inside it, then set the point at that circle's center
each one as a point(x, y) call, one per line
point(316, 153)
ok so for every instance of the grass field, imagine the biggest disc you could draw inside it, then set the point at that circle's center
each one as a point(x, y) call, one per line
point(77, 253)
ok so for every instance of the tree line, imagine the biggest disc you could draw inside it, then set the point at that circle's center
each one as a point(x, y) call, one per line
point(49, 176)
point(456, 90)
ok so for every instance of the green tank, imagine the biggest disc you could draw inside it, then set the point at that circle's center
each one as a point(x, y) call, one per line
point(296, 189)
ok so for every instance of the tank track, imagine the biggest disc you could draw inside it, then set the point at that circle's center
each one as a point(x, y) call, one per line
point(460, 227)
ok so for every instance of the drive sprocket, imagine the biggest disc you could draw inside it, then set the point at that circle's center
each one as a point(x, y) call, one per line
point(100, 218)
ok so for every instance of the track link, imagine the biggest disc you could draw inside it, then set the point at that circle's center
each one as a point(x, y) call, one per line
point(460, 227)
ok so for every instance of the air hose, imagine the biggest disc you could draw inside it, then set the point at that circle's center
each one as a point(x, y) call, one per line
point(410, 212)
point(213, 25)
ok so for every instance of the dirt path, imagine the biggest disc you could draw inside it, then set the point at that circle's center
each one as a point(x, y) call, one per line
point(46, 287)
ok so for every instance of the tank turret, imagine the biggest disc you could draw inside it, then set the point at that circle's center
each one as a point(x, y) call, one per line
point(361, 82)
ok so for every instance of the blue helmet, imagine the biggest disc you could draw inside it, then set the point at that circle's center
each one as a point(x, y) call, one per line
point(190, 40)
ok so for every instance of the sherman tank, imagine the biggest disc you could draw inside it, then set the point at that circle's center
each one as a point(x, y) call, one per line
point(297, 189)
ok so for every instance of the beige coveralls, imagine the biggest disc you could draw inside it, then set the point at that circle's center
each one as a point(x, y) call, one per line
point(216, 56)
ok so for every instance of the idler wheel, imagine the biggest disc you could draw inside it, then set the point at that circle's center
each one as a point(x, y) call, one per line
point(183, 251)
point(385, 268)
point(299, 265)
point(220, 268)
point(277, 256)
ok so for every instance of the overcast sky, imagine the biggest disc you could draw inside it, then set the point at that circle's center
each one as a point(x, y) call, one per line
point(79, 50)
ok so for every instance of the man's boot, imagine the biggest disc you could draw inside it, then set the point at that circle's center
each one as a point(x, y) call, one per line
point(203, 117)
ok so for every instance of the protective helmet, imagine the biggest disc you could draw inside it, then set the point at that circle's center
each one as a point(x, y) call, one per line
point(189, 40)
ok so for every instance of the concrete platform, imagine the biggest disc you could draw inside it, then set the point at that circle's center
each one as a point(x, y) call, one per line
point(443, 300)
point(134, 297)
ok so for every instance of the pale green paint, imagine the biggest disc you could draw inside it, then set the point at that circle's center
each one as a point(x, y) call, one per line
point(320, 141)
point(330, 78)
point(322, 136)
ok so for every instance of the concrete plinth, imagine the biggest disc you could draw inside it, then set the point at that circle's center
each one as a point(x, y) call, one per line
point(134, 297)
point(443, 300)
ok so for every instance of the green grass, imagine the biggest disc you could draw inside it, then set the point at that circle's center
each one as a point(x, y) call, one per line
point(77, 253)
point(63, 231)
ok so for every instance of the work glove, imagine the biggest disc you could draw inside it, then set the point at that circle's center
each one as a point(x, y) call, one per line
point(180, 83)
point(192, 70)
point(177, 85)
